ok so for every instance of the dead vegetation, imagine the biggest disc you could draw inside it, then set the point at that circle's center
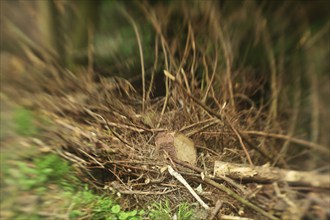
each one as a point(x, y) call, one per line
point(233, 112)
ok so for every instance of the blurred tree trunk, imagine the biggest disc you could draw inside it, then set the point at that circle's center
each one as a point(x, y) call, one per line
point(52, 37)
point(64, 28)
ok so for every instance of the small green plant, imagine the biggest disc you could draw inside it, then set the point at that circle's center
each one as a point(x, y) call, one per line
point(52, 167)
point(44, 169)
point(23, 120)
point(100, 207)
point(162, 210)
point(185, 212)
point(36, 175)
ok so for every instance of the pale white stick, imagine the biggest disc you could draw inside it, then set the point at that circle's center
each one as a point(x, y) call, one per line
point(229, 217)
point(184, 182)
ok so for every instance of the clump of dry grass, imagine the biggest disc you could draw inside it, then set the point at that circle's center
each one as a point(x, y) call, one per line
point(232, 84)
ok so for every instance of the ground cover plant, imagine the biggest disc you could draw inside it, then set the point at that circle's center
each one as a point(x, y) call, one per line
point(38, 177)
point(169, 109)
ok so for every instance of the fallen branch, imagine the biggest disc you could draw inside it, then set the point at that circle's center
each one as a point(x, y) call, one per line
point(216, 209)
point(239, 198)
point(270, 174)
point(184, 182)
point(227, 190)
point(230, 217)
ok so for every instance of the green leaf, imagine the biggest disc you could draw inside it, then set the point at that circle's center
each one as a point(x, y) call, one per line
point(123, 215)
point(76, 213)
point(132, 213)
point(115, 209)
point(111, 217)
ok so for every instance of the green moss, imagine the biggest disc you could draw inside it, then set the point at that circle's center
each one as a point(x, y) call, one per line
point(24, 122)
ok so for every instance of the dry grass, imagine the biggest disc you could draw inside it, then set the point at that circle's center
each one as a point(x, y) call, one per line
point(235, 107)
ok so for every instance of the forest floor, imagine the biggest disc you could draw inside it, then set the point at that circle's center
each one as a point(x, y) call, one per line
point(61, 154)
point(223, 125)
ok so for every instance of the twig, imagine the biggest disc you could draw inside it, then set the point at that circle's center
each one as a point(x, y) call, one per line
point(141, 56)
point(208, 149)
point(315, 106)
point(241, 142)
point(272, 63)
point(230, 217)
point(209, 86)
point(73, 158)
point(90, 30)
point(205, 76)
point(216, 209)
point(239, 198)
point(214, 18)
point(196, 124)
point(317, 36)
point(193, 64)
point(185, 80)
point(228, 191)
point(186, 50)
point(91, 157)
point(136, 192)
point(184, 182)
point(314, 146)
point(166, 86)
point(198, 130)
point(154, 69)
point(261, 26)
point(294, 119)
point(204, 107)
point(96, 116)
